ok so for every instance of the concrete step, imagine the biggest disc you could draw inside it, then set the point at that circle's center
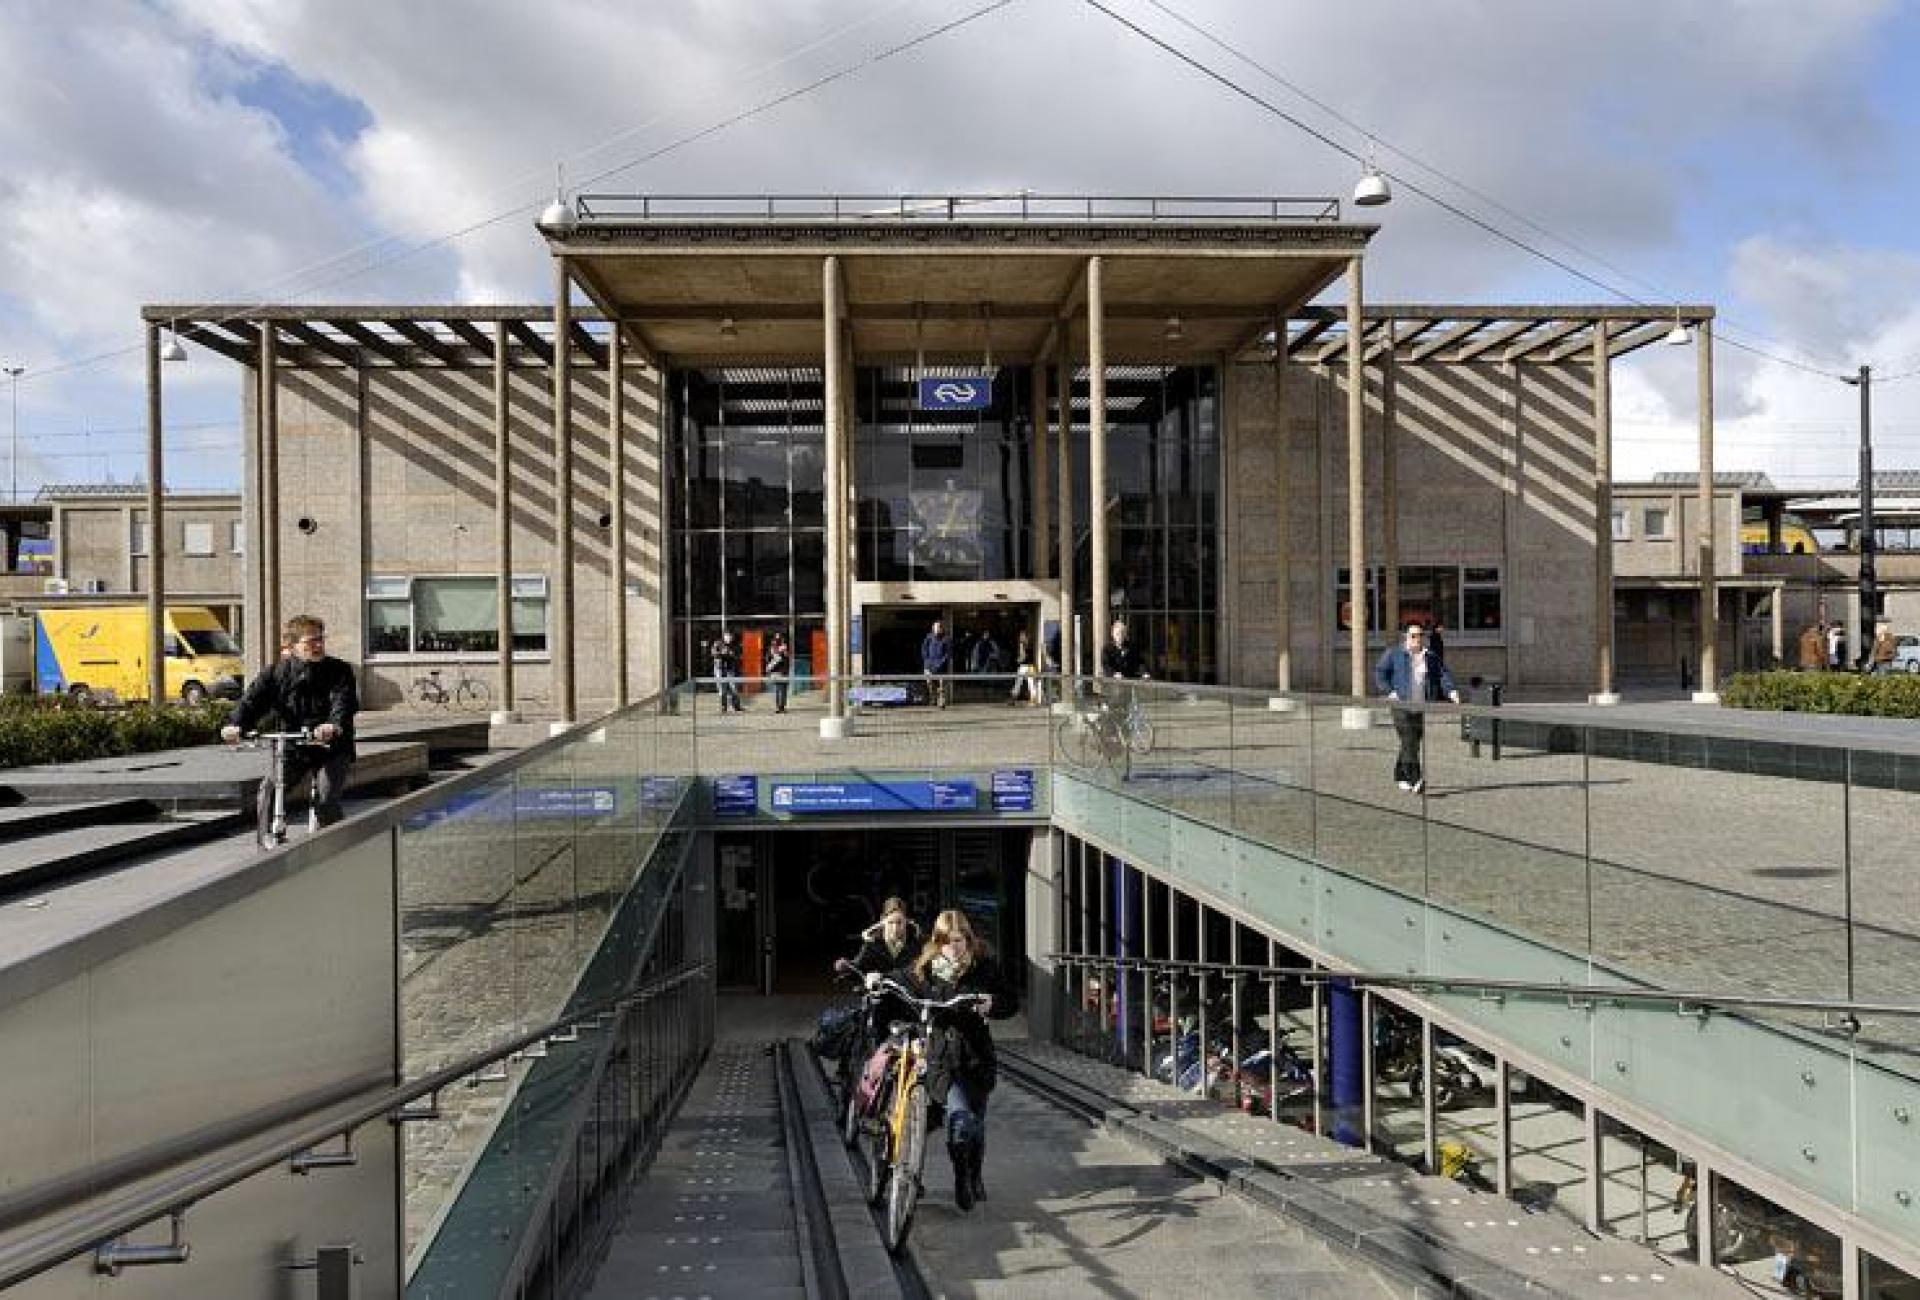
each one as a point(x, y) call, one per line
point(24, 821)
point(47, 859)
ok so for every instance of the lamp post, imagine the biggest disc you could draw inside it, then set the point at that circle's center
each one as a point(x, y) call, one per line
point(13, 374)
point(1869, 577)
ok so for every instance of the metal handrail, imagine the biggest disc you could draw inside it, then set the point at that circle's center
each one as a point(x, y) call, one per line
point(1020, 206)
point(1847, 1013)
point(102, 1224)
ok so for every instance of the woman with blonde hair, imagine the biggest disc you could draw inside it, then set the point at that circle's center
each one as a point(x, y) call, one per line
point(962, 1068)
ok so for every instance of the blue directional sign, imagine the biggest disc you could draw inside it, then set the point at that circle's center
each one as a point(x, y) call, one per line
point(736, 796)
point(566, 801)
point(873, 796)
point(1013, 791)
point(967, 393)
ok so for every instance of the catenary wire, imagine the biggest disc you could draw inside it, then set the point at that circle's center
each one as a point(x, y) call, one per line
point(1410, 184)
point(1374, 137)
point(732, 120)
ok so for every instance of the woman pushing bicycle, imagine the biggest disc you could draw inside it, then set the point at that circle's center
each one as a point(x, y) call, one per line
point(962, 1066)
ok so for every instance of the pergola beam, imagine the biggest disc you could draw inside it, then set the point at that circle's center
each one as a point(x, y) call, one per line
point(363, 334)
point(1537, 342)
point(1489, 339)
point(342, 352)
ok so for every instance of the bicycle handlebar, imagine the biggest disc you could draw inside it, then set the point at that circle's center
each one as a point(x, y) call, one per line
point(908, 996)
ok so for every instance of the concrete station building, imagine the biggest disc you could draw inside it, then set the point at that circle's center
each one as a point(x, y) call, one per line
point(471, 486)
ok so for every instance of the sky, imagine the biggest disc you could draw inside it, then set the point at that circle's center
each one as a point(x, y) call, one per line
point(1760, 156)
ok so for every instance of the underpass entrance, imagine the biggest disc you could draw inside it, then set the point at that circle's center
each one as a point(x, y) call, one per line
point(790, 902)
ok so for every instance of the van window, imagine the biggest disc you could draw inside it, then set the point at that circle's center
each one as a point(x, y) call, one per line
point(210, 641)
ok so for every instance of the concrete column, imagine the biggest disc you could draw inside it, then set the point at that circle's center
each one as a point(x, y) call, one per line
point(1709, 692)
point(1063, 493)
point(270, 607)
point(617, 505)
point(833, 375)
point(1594, 1207)
point(503, 523)
point(1356, 490)
point(1102, 610)
point(1603, 692)
point(1041, 546)
point(1282, 513)
point(1503, 1128)
point(156, 530)
point(1390, 491)
point(1429, 1107)
point(849, 490)
point(253, 583)
point(563, 685)
point(1779, 624)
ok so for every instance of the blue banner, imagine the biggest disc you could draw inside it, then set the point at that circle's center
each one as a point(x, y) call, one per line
point(967, 393)
point(736, 796)
point(874, 796)
point(1013, 791)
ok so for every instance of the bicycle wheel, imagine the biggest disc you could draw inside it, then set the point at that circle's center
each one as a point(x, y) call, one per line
point(1116, 751)
point(425, 693)
point(473, 694)
point(875, 1163)
point(903, 1192)
point(1078, 743)
point(1140, 732)
point(850, 1116)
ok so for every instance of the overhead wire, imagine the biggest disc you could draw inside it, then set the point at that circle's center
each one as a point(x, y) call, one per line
point(762, 106)
point(1722, 322)
point(1415, 187)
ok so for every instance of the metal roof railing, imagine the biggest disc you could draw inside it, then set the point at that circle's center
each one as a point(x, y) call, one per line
point(616, 209)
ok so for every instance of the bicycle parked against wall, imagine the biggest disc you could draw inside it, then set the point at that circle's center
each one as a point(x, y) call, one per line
point(467, 692)
point(893, 1139)
point(1110, 732)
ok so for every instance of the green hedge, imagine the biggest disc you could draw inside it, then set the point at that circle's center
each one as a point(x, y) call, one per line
point(52, 730)
point(1884, 695)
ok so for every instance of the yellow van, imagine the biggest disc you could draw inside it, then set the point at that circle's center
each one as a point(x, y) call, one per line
point(100, 652)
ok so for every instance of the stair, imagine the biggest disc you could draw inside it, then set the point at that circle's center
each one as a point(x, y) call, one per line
point(61, 849)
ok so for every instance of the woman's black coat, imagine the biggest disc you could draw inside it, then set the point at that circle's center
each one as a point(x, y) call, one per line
point(962, 1047)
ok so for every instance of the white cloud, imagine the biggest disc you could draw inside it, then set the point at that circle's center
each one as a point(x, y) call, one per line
point(131, 171)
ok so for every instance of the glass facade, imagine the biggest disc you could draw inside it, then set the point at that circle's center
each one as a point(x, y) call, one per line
point(942, 496)
point(1163, 507)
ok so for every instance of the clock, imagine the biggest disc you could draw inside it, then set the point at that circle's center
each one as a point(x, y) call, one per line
point(945, 527)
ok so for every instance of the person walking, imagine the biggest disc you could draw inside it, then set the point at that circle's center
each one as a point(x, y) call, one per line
point(936, 661)
point(1435, 642)
point(1411, 673)
point(777, 667)
point(1813, 648)
point(1026, 677)
point(962, 1067)
point(305, 688)
point(1880, 659)
point(986, 659)
point(726, 671)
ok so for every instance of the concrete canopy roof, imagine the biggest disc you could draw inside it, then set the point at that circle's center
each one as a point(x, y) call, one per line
point(951, 278)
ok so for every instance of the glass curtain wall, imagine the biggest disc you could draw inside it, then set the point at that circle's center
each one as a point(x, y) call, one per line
point(943, 496)
point(1163, 507)
point(748, 507)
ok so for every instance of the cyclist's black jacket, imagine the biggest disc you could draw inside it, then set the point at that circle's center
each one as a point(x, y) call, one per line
point(1121, 661)
point(303, 694)
point(874, 956)
point(962, 1047)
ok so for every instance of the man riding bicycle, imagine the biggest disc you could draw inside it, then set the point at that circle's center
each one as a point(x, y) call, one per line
point(305, 688)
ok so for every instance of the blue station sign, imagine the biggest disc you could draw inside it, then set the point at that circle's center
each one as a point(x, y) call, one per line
point(736, 796)
point(967, 393)
point(1013, 790)
point(873, 796)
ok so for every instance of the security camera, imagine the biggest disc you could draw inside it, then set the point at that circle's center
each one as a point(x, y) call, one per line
point(307, 524)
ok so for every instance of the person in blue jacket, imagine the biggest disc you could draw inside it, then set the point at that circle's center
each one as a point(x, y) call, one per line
point(936, 660)
point(1411, 673)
